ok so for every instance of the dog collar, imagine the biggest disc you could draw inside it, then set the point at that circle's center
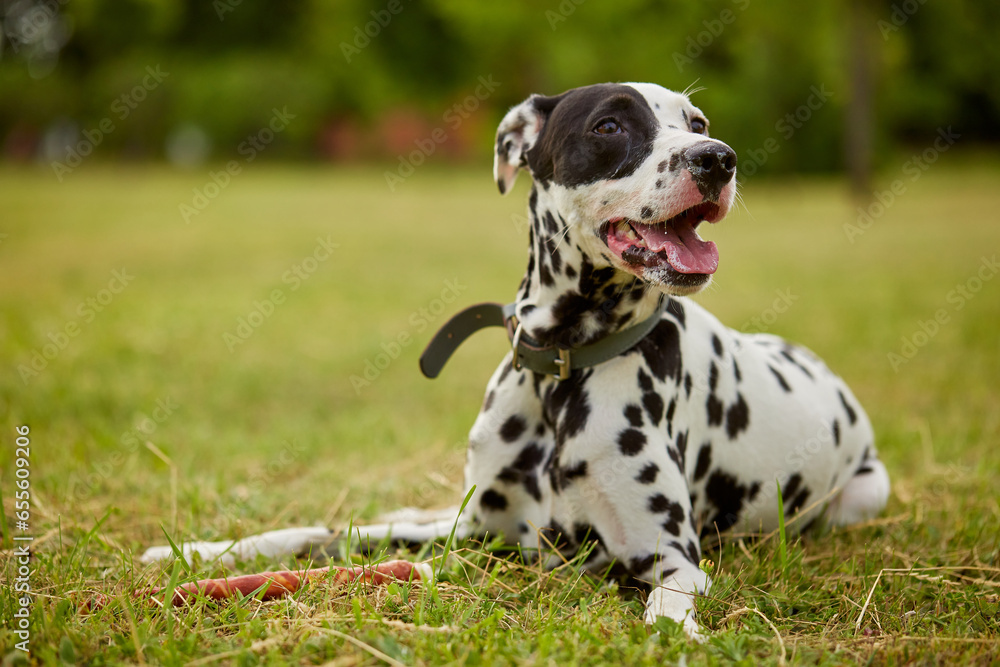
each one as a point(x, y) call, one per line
point(528, 353)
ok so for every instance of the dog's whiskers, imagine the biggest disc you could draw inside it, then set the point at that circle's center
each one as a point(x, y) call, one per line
point(693, 88)
point(561, 236)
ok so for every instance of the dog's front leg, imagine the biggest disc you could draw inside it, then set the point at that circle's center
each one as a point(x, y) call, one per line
point(509, 446)
point(639, 507)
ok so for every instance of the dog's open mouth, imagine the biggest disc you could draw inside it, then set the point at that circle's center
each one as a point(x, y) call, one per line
point(673, 242)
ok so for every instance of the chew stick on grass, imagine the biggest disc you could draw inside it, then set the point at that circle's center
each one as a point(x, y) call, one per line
point(270, 585)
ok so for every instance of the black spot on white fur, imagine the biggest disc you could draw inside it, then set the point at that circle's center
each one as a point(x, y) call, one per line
point(727, 494)
point(492, 500)
point(675, 308)
point(653, 403)
point(562, 477)
point(704, 462)
point(633, 413)
point(645, 382)
point(714, 408)
point(567, 405)
point(648, 474)
point(787, 355)
point(852, 416)
point(524, 470)
point(631, 441)
point(661, 350)
point(794, 494)
point(737, 417)
point(780, 378)
point(512, 428)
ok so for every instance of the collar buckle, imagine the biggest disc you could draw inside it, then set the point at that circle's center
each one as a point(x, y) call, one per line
point(563, 362)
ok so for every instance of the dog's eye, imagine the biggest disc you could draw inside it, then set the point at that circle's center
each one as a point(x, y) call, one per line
point(608, 126)
point(699, 125)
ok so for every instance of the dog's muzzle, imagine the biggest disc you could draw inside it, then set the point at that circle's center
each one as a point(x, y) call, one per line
point(712, 165)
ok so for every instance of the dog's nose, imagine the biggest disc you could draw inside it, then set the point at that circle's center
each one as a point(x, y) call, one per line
point(712, 165)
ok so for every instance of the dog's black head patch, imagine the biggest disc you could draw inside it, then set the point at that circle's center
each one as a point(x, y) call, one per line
point(594, 133)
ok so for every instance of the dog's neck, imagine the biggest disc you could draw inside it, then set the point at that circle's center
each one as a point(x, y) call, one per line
point(569, 298)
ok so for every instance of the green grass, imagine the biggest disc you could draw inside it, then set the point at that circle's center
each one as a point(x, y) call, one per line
point(274, 434)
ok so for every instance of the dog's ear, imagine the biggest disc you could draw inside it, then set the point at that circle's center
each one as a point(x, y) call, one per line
point(518, 132)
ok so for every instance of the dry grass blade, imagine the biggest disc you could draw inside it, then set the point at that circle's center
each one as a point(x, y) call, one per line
point(864, 607)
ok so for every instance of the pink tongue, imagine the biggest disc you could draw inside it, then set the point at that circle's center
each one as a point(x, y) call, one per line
point(686, 252)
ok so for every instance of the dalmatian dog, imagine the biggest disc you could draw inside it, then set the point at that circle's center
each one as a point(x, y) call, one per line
point(692, 430)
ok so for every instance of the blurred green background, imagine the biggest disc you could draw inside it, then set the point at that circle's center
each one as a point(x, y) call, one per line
point(368, 79)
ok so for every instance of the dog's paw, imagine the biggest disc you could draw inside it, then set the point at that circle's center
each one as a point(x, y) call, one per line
point(418, 516)
point(675, 606)
point(156, 554)
point(205, 550)
point(425, 571)
point(275, 544)
point(668, 625)
point(693, 631)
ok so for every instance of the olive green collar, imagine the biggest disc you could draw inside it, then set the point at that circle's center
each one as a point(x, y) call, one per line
point(528, 353)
